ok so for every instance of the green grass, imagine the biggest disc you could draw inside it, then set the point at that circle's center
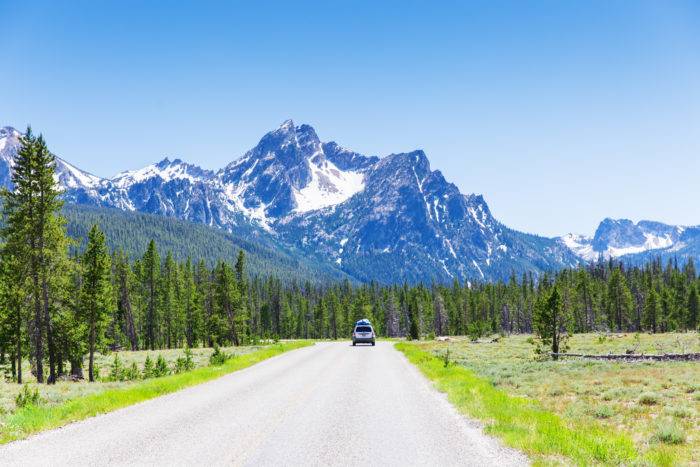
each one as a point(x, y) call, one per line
point(64, 389)
point(33, 419)
point(520, 422)
point(629, 398)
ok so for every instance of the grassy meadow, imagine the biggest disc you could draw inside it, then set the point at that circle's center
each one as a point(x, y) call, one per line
point(655, 405)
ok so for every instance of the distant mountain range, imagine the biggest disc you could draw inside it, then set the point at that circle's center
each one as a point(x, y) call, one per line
point(389, 219)
point(622, 238)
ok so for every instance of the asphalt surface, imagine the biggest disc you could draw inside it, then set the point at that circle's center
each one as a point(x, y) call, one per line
point(330, 404)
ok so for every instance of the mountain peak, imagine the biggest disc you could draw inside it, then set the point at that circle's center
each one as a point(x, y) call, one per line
point(8, 131)
point(287, 125)
point(164, 163)
point(414, 162)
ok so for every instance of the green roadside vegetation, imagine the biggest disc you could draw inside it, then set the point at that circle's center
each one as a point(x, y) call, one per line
point(574, 411)
point(108, 396)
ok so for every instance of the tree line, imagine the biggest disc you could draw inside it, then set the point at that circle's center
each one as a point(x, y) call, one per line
point(59, 305)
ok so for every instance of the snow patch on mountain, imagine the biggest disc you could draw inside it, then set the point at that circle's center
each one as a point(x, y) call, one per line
point(652, 242)
point(621, 237)
point(235, 197)
point(9, 143)
point(580, 245)
point(328, 186)
point(69, 176)
point(165, 170)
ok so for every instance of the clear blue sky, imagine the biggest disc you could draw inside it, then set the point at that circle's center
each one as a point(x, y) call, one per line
point(560, 113)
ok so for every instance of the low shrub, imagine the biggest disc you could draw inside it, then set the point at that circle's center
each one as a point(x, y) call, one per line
point(132, 373)
point(668, 432)
point(603, 411)
point(27, 397)
point(117, 371)
point(161, 368)
point(185, 362)
point(148, 368)
point(680, 412)
point(475, 330)
point(446, 358)
point(649, 398)
point(219, 357)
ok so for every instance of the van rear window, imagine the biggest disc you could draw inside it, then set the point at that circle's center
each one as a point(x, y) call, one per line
point(363, 329)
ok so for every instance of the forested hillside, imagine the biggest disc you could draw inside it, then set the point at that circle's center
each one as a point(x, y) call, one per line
point(131, 232)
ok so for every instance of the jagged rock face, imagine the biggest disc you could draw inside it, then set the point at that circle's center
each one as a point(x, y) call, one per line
point(9, 143)
point(289, 171)
point(622, 238)
point(409, 223)
point(267, 175)
point(389, 219)
point(617, 234)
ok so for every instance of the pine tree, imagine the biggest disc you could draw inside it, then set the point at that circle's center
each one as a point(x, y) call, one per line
point(151, 279)
point(203, 304)
point(414, 317)
point(168, 299)
point(652, 310)
point(242, 312)
point(228, 297)
point(96, 294)
point(552, 321)
point(123, 285)
point(35, 242)
point(13, 311)
point(333, 305)
point(693, 308)
point(619, 300)
point(391, 314)
point(440, 316)
point(191, 316)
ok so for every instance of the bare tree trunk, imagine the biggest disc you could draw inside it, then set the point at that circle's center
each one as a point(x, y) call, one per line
point(128, 313)
point(49, 330)
point(60, 368)
point(555, 335)
point(13, 366)
point(76, 369)
point(232, 324)
point(208, 307)
point(38, 334)
point(151, 316)
point(18, 354)
point(91, 365)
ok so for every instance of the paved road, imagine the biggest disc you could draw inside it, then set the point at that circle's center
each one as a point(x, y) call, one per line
point(330, 404)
